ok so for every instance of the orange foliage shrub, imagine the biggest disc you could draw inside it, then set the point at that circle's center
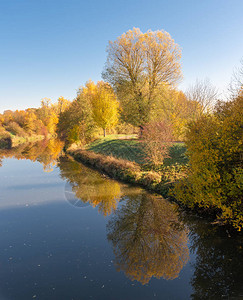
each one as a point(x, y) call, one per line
point(156, 137)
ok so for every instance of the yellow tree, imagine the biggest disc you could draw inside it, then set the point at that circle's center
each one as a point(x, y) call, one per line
point(62, 104)
point(137, 64)
point(176, 109)
point(48, 115)
point(76, 123)
point(51, 122)
point(104, 104)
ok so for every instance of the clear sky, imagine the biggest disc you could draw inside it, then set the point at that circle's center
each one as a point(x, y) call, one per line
point(48, 48)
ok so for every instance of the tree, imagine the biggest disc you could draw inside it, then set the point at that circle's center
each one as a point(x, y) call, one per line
point(203, 96)
point(104, 104)
point(48, 115)
point(62, 104)
point(137, 65)
point(76, 123)
point(236, 85)
point(174, 109)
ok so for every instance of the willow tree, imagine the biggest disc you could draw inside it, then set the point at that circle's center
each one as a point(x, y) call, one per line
point(138, 65)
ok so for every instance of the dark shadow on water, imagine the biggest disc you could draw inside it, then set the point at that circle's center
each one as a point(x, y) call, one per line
point(218, 269)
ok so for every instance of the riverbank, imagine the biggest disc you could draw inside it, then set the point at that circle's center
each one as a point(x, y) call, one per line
point(108, 156)
point(162, 182)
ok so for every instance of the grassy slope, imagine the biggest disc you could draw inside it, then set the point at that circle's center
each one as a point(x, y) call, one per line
point(128, 149)
point(131, 149)
point(115, 158)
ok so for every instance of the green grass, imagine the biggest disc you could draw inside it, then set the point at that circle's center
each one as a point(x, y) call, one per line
point(177, 155)
point(158, 178)
point(128, 149)
point(132, 150)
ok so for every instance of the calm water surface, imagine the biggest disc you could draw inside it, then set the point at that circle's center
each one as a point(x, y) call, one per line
point(67, 232)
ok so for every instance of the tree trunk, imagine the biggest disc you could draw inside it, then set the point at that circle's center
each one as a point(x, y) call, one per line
point(140, 130)
point(104, 132)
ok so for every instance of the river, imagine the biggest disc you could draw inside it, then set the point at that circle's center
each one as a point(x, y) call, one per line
point(69, 232)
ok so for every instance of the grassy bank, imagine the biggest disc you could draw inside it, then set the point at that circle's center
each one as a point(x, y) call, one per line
point(124, 159)
point(119, 147)
point(130, 148)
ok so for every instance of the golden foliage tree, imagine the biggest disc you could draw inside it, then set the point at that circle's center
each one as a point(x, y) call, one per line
point(76, 123)
point(62, 104)
point(104, 104)
point(137, 64)
point(174, 109)
point(48, 115)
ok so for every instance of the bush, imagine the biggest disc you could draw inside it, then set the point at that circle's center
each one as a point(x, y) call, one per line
point(116, 168)
point(150, 179)
point(215, 150)
point(156, 138)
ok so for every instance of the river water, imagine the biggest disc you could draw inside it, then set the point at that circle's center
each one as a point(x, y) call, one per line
point(68, 232)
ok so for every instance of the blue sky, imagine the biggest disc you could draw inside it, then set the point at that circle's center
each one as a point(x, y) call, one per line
point(48, 48)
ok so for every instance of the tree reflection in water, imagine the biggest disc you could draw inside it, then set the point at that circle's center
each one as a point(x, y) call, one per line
point(147, 234)
point(219, 258)
point(90, 187)
point(45, 152)
point(148, 239)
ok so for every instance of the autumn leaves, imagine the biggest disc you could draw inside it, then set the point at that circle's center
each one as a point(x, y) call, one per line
point(138, 66)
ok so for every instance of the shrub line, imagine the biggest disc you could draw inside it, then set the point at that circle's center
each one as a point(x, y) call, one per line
point(123, 170)
point(131, 172)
